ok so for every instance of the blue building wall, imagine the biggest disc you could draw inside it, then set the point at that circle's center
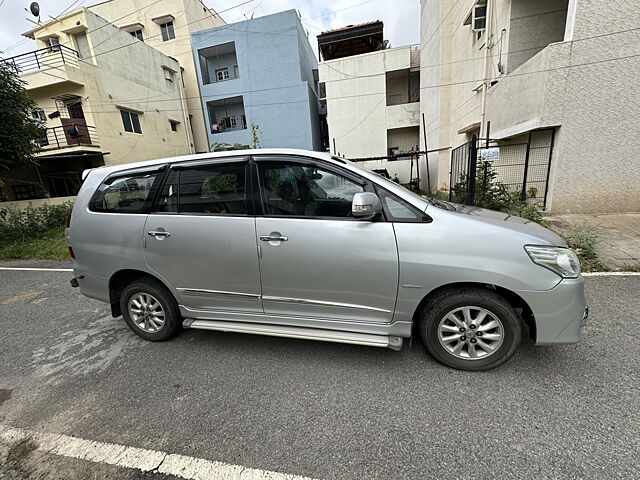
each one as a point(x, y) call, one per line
point(275, 78)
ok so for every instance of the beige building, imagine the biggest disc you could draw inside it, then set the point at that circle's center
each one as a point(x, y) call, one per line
point(97, 97)
point(167, 25)
point(563, 70)
point(372, 100)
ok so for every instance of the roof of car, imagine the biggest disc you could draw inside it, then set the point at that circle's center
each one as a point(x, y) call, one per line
point(107, 169)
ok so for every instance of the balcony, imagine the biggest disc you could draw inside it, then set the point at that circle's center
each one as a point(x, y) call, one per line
point(47, 66)
point(75, 136)
point(218, 63)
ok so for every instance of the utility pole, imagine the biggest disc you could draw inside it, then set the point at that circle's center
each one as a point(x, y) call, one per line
point(488, 34)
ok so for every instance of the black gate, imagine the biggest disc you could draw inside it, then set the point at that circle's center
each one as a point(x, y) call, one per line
point(521, 167)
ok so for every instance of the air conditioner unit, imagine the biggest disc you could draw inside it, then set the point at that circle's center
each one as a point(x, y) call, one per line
point(479, 18)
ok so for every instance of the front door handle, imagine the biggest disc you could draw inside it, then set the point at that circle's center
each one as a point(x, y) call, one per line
point(158, 233)
point(273, 238)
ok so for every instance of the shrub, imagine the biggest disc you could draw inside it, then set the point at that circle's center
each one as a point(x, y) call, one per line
point(32, 222)
point(493, 194)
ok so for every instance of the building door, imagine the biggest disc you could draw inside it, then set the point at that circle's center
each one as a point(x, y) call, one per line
point(75, 125)
point(82, 46)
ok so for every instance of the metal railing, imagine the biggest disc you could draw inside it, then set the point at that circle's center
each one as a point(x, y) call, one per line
point(48, 57)
point(66, 136)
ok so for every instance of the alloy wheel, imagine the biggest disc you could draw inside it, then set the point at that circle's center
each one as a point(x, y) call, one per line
point(146, 312)
point(470, 333)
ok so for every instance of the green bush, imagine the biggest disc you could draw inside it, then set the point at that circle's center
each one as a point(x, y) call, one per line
point(32, 222)
point(493, 194)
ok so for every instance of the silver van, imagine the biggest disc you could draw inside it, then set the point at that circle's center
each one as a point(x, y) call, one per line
point(301, 244)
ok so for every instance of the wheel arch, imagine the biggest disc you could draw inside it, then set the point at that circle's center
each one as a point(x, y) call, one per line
point(515, 300)
point(120, 279)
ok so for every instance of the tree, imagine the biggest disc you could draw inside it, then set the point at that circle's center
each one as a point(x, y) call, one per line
point(19, 132)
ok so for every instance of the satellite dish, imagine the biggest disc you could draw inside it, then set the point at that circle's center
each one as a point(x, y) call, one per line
point(35, 9)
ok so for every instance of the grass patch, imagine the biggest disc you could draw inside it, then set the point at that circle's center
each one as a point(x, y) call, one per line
point(20, 449)
point(48, 245)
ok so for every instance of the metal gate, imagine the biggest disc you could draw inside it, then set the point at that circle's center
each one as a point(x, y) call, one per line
point(521, 167)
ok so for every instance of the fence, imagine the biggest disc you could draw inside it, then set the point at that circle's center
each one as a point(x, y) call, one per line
point(48, 57)
point(70, 135)
point(522, 167)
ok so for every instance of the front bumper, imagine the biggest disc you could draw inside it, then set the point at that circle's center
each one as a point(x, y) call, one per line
point(559, 313)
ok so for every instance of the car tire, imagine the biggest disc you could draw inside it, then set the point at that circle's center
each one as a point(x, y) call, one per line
point(470, 328)
point(150, 310)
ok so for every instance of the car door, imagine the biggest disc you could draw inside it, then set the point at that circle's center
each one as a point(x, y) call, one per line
point(201, 236)
point(316, 260)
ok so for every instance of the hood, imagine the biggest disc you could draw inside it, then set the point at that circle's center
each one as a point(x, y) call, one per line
point(505, 220)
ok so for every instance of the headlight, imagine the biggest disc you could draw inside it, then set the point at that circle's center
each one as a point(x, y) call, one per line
point(557, 259)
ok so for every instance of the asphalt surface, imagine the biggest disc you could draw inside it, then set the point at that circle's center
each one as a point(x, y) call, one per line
point(320, 409)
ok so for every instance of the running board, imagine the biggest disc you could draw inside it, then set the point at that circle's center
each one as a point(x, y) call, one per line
point(395, 343)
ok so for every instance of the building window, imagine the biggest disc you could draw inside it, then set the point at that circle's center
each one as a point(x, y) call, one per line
point(168, 78)
point(174, 125)
point(137, 34)
point(38, 114)
point(222, 74)
point(131, 121)
point(54, 44)
point(24, 192)
point(167, 31)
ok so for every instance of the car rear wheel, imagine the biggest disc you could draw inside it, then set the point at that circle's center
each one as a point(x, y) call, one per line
point(150, 310)
point(470, 329)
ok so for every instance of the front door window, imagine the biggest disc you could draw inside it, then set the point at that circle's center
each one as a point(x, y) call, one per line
point(306, 190)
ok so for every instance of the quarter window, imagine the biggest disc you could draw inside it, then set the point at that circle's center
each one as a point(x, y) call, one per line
point(213, 189)
point(167, 31)
point(125, 194)
point(131, 121)
point(305, 190)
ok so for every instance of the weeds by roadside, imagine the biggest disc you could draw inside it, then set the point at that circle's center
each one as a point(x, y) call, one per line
point(20, 449)
point(583, 239)
point(36, 232)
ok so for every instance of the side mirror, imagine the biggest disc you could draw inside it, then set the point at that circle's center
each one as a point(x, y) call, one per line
point(365, 205)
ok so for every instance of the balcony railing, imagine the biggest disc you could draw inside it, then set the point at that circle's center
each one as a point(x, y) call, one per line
point(71, 135)
point(48, 57)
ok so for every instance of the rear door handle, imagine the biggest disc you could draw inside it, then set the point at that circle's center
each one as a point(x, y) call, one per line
point(270, 238)
point(158, 233)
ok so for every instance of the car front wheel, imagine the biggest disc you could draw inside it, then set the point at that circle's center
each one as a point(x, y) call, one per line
point(470, 329)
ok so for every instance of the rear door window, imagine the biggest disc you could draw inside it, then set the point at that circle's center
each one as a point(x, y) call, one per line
point(130, 193)
point(213, 189)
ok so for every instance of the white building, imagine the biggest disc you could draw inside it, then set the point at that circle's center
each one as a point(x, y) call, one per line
point(564, 69)
point(372, 102)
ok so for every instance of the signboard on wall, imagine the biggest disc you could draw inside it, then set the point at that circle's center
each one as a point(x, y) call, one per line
point(490, 154)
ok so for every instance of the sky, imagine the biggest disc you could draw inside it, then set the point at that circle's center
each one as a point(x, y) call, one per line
point(400, 17)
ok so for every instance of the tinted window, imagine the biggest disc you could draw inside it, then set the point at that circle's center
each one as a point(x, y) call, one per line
point(125, 194)
point(398, 210)
point(214, 189)
point(305, 190)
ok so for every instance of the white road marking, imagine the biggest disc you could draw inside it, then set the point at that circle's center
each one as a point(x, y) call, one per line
point(611, 274)
point(140, 458)
point(37, 269)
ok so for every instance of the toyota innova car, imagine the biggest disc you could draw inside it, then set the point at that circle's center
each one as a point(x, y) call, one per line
point(301, 244)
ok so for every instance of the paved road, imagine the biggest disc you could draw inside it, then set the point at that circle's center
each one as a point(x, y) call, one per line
point(319, 409)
